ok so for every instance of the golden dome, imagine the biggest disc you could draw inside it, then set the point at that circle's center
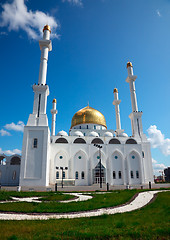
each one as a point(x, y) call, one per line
point(47, 27)
point(115, 90)
point(54, 100)
point(129, 64)
point(88, 115)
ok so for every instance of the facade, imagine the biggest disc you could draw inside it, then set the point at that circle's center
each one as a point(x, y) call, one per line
point(9, 170)
point(75, 157)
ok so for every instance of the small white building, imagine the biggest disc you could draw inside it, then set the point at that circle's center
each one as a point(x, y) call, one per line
point(46, 159)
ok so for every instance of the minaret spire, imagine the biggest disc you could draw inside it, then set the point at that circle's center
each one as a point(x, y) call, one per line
point(135, 116)
point(116, 102)
point(41, 91)
point(53, 112)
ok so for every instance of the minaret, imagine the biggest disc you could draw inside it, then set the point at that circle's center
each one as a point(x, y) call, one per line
point(135, 116)
point(35, 162)
point(116, 102)
point(53, 112)
point(41, 91)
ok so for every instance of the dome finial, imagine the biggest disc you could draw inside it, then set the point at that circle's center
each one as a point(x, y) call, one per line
point(115, 90)
point(54, 100)
point(129, 64)
point(47, 27)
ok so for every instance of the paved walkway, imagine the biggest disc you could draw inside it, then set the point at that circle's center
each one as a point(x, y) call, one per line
point(140, 201)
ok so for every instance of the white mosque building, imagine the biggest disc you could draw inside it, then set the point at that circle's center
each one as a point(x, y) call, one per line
point(90, 153)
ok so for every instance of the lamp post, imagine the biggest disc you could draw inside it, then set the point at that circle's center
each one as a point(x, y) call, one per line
point(62, 168)
point(99, 147)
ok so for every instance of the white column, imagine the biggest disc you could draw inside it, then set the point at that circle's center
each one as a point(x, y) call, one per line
point(131, 80)
point(45, 47)
point(116, 102)
point(53, 112)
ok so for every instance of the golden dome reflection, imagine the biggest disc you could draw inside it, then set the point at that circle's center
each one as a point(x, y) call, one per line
point(88, 115)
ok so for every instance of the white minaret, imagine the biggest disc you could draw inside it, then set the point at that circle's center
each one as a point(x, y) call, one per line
point(53, 112)
point(135, 116)
point(35, 162)
point(41, 91)
point(116, 102)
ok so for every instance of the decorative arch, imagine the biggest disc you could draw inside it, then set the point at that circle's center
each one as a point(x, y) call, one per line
point(61, 140)
point(114, 141)
point(131, 141)
point(79, 140)
point(117, 168)
point(134, 167)
point(80, 165)
point(97, 140)
point(15, 160)
point(96, 159)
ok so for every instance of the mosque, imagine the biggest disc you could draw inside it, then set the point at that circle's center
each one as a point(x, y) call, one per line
point(90, 153)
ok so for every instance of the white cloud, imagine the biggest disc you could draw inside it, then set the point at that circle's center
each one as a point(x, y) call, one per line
point(16, 16)
point(10, 152)
point(15, 127)
point(4, 133)
point(157, 167)
point(158, 140)
point(158, 13)
point(74, 2)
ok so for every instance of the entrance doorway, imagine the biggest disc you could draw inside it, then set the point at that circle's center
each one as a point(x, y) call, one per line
point(96, 174)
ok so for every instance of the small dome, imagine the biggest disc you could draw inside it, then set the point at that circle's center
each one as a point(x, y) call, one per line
point(129, 64)
point(115, 90)
point(88, 115)
point(62, 133)
point(123, 135)
point(54, 100)
point(108, 134)
point(78, 133)
point(93, 134)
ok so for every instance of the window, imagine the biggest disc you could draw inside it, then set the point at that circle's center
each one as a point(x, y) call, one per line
point(120, 175)
point(137, 174)
point(79, 157)
point(79, 140)
point(14, 175)
point(82, 175)
point(131, 174)
point(64, 175)
point(116, 157)
point(114, 141)
point(35, 143)
point(77, 175)
point(80, 127)
point(57, 175)
point(87, 126)
point(97, 140)
point(15, 161)
point(114, 175)
point(61, 140)
point(94, 127)
point(143, 154)
point(133, 157)
point(0, 174)
point(131, 141)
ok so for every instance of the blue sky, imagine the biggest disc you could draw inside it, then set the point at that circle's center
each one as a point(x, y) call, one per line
point(92, 42)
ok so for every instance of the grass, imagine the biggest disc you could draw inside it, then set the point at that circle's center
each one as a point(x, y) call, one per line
point(150, 222)
point(99, 201)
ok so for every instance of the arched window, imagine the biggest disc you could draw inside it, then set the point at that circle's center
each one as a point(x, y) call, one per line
point(114, 141)
point(97, 140)
point(61, 140)
point(15, 161)
point(35, 142)
point(76, 175)
point(120, 175)
point(64, 175)
point(114, 175)
point(82, 175)
point(131, 174)
point(57, 175)
point(131, 141)
point(137, 174)
point(14, 175)
point(79, 140)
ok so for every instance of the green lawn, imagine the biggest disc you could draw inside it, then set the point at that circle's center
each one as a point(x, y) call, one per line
point(150, 222)
point(99, 200)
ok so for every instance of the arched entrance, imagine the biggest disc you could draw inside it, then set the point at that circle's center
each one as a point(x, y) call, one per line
point(96, 174)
